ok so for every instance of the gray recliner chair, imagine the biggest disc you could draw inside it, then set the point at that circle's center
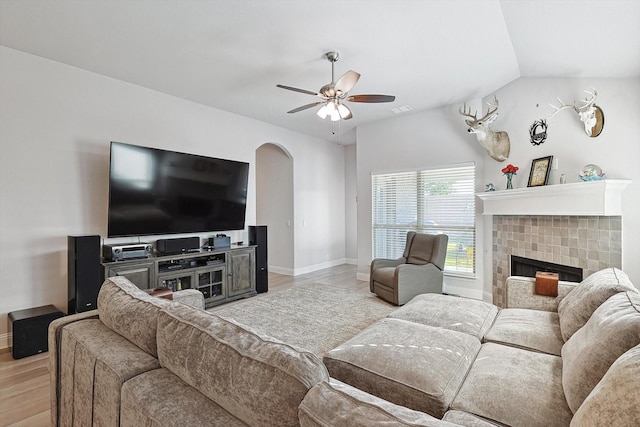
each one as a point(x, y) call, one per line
point(418, 271)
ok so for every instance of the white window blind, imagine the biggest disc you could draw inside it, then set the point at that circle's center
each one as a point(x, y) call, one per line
point(430, 201)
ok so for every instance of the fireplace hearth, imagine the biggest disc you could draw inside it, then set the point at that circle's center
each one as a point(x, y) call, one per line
point(528, 267)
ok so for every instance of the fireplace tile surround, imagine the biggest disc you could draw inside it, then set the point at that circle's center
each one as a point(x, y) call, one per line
point(588, 242)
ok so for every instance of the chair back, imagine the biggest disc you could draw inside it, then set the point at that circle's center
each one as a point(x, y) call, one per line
point(427, 248)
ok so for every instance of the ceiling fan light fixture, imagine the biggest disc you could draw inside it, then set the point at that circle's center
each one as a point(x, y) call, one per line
point(322, 112)
point(343, 110)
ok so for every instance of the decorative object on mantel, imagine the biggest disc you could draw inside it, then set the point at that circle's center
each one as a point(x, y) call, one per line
point(538, 132)
point(590, 114)
point(496, 144)
point(591, 173)
point(540, 169)
point(490, 187)
point(509, 171)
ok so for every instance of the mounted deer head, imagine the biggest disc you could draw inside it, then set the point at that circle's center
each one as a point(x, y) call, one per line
point(590, 114)
point(496, 143)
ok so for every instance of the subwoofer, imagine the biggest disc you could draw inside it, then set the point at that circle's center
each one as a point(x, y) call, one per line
point(258, 236)
point(84, 273)
point(29, 330)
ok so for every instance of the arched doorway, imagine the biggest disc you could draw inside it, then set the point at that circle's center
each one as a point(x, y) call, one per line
point(274, 205)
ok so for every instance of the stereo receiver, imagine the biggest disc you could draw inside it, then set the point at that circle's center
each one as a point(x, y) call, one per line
point(124, 251)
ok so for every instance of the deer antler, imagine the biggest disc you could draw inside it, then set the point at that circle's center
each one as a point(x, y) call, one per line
point(561, 107)
point(589, 102)
point(463, 112)
point(494, 106)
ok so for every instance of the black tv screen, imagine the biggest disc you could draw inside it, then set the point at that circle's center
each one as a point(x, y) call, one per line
point(153, 191)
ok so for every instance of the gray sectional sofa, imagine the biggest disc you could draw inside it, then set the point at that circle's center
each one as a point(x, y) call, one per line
point(437, 361)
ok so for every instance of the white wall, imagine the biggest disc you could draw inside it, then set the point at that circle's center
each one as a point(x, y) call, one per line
point(56, 122)
point(274, 205)
point(351, 204)
point(439, 137)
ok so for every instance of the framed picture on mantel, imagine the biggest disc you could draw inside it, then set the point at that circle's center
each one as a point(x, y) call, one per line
point(540, 169)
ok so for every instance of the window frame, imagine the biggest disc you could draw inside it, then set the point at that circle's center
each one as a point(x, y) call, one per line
point(462, 248)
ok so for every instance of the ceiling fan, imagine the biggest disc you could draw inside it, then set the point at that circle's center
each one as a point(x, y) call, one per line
point(334, 94)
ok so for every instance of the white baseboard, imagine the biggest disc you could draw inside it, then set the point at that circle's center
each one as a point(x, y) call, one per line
point(463, 292)
point(280, 270)
point(308, 269)
point(351, 261)
point(5, 340)
point(363, 277)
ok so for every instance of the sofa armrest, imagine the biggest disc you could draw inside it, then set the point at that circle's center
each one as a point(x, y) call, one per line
point(521, 294)
point(384, 262)
point(381, 263)
point(190, 297)
point(54, 334)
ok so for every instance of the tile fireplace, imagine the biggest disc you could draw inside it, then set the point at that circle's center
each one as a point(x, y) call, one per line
point(589, 243)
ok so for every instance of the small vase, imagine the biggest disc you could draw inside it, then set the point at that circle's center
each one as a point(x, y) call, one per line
point(509, 183)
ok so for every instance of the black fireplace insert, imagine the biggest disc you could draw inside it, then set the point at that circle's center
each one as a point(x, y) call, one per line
point(528, 267)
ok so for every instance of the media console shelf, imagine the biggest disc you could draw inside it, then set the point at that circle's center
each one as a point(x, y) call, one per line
point(221, 275)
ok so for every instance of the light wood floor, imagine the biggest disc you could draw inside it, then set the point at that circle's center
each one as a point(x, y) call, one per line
point(24, 383)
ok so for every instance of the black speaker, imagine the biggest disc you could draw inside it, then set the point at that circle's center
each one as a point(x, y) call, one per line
point(177, 245)
point(258, 236)
point(29, 330)
point(85, 273)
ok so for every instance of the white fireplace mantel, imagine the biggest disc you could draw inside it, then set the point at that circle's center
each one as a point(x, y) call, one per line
point(592, 198)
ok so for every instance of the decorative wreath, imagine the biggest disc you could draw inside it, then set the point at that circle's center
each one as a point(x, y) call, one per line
point(538, 132)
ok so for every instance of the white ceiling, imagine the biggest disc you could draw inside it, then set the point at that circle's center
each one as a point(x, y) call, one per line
point(231, 54)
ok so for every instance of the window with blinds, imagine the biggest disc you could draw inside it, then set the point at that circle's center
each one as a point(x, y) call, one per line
point(430, 201)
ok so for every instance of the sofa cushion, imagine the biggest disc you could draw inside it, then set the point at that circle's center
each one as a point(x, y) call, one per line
point(256, 378)
point(466, 419)
point(94, 363)
point(529, 329)
point(612, 402)
point(579, 304)
point(409, 364)
point(159, 398)
point(466, 315)
point(334, 403)
point(512, 386)
point(613, 329)
point(129, 311)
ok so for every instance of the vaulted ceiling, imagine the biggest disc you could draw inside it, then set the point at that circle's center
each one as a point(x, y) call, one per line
point(231, 54)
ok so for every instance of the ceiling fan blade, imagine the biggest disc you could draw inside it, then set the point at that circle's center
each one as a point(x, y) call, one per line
point(304, 107)
point(371, 98)
point(295, 89)
point(347, 81)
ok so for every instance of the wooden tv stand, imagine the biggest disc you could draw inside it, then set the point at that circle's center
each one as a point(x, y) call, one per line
point(221, 275)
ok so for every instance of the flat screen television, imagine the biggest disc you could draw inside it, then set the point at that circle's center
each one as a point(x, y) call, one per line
point(153, 191)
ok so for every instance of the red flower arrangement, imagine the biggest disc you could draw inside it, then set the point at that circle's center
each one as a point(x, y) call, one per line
point(510, 169)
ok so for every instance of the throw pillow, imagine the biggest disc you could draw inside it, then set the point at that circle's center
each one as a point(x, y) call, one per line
point(577, 307)
point(610, 402)
point(613, 329)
